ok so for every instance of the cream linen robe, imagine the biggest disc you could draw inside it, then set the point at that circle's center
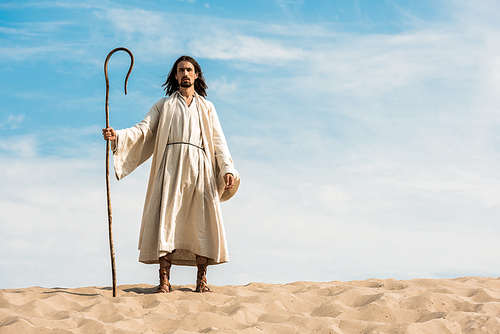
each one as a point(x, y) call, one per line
point(182, 207)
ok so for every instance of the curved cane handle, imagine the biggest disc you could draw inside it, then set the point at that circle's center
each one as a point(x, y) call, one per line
point(107, 80)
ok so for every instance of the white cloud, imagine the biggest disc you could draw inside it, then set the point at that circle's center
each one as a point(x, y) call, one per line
point(137, 20)
point(297, 2)
point(35, 28)
point(158, 33)
point(227, 46)
point(12, 122)
point(56, 208)
point(366, 66)
point(24, 146)
point(22, 53)
point(224, 88)
point(91, 4)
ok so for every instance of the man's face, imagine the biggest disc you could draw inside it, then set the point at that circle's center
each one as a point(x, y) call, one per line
point(185, 74)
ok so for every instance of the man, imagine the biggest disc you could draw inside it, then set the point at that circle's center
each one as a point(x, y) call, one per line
point(191, 173)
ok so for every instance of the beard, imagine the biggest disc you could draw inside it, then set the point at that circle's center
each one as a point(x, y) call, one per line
point(186, 84)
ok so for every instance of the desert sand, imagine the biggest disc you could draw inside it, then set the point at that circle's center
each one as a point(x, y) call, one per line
point(461, 305)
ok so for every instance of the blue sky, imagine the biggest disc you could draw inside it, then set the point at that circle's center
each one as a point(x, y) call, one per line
point(366, 134)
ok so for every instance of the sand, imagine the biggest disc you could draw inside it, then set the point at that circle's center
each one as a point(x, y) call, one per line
point(461, 305)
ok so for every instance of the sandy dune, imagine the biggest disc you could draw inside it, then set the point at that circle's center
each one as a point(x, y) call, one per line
point(462, 305)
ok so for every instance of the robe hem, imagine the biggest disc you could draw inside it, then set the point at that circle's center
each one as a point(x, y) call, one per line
point(187, 263)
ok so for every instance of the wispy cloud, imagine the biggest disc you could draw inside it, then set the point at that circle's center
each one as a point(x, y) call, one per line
point(30, 29)
point(22, 53)
point(141, 21)
point(226, 46)
point(21, 146)
point(217, 42)
point(92, 4)
point(12, 122)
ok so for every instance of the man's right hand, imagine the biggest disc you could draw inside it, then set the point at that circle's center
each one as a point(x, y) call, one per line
point(109, 134)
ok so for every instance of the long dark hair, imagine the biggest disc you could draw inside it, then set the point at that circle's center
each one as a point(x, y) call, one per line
point(172, 85)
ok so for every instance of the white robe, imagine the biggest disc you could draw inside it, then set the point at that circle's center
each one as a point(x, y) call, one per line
point(182, 207)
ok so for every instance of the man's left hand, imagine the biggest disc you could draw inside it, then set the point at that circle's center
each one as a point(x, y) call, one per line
point(229, 179)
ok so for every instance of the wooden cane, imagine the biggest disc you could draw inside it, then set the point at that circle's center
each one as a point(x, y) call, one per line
point(110, 226)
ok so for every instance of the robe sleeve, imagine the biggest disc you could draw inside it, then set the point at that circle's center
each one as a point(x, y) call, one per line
point(222, 158)
point(135, 145)
point(222, 155)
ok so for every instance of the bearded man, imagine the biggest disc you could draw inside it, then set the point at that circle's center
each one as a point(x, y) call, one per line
point(191, 173)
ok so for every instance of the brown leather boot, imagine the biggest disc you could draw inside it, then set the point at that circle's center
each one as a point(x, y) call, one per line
point(165, 265)
point(201, 279)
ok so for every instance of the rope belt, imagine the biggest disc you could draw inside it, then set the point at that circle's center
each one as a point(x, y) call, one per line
point(201, 148)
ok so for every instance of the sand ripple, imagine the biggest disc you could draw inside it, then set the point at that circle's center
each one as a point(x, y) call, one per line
point(462, 305)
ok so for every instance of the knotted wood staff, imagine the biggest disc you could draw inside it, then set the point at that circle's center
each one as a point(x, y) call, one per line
point(110, 223)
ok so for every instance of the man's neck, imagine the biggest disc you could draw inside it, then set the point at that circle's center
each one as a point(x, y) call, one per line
point(187, 91)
